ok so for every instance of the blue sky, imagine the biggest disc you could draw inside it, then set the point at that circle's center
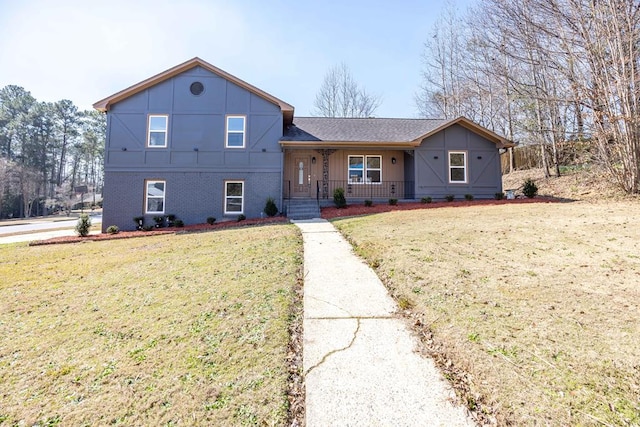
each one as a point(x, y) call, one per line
point(87, 50)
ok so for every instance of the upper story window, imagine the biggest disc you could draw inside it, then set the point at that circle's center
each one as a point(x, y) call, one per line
point(236, 129)
point(458, 167)
point(365, 169)
point(157, 134)
point(154, 197)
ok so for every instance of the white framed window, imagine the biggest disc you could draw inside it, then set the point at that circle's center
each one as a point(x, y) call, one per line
point(235, 131)
point(234, 197)
point(373, 172)
point(458, 167)
point(365, 170)
point(154, 196)
point(158, 131)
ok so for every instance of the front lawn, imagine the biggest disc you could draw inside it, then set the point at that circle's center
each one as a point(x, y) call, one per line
point(190, 329)
point(530, 309)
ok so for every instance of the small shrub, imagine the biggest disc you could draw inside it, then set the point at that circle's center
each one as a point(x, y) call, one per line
point(530, 189)
point(339, 199)
point(211, 220)
point(449, 197)
point(426, 200)
point(499, 196)
point(270, 207)
point(241, 218)
point(139, 220)
point(159, 220)
point(83, 225)
point(368, 203)
point(147, 228)
point(171, 220)
point(179, 223)
point(393, 202)
point(468, 197)
point(112, 229)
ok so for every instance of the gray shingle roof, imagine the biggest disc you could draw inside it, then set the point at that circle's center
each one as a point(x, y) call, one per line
point(359, 130)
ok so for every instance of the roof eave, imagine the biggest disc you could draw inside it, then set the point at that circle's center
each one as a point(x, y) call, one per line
point(104, 104)
point(463, 121)
point(347, 144)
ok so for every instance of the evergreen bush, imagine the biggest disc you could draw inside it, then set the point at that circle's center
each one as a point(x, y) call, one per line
point(83, 225)
point(530, 189)
point(339, 199)
point(270, 207)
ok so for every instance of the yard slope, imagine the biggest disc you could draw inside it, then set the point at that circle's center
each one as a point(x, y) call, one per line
point(531, 309)
point(189, 329)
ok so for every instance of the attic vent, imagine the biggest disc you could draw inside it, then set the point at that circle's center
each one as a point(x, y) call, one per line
point(196, 88)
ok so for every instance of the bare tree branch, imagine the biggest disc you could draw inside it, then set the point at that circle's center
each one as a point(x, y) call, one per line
point(341, 96)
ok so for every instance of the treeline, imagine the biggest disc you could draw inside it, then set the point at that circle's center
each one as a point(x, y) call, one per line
point(543, 72)
point(50, 154)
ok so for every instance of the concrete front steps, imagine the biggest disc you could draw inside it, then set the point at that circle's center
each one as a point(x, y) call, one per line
point(303, 209)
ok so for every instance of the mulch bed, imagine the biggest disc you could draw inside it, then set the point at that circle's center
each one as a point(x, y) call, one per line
point(157, 232)
point(326, 213)
point(355, 210)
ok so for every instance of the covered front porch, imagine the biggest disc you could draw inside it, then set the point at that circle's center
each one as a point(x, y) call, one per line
point(375, 174)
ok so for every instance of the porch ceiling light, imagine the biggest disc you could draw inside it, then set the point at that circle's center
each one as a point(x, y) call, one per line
point(393, 160)
point(313, 160)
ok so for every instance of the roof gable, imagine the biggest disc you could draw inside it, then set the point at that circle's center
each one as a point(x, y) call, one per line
point(377, 131)
point(105, 104)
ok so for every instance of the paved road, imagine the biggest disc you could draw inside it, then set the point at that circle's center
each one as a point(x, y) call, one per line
point(40, 228)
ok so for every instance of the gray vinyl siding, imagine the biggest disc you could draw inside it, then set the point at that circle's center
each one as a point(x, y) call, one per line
point(196, 127)
point(195, 161)
point(484, 177)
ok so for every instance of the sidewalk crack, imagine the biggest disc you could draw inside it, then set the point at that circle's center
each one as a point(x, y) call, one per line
point(331, 304)
point(338, 350)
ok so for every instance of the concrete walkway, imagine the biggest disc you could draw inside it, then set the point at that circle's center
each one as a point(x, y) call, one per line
point(360, 360)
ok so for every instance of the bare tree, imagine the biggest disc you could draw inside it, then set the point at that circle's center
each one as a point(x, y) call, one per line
point(442, 93)
point(604, 36)
point(341, 96)
point(28, 185)
point(563, 70)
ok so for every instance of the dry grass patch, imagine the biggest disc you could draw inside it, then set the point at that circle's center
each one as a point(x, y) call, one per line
point(189, 329)
point(536, 304)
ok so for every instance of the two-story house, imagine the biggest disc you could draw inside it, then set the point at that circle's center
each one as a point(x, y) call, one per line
point(196, 142)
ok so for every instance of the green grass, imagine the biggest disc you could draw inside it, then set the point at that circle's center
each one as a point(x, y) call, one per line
point(188, 329)
point(533, 308)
